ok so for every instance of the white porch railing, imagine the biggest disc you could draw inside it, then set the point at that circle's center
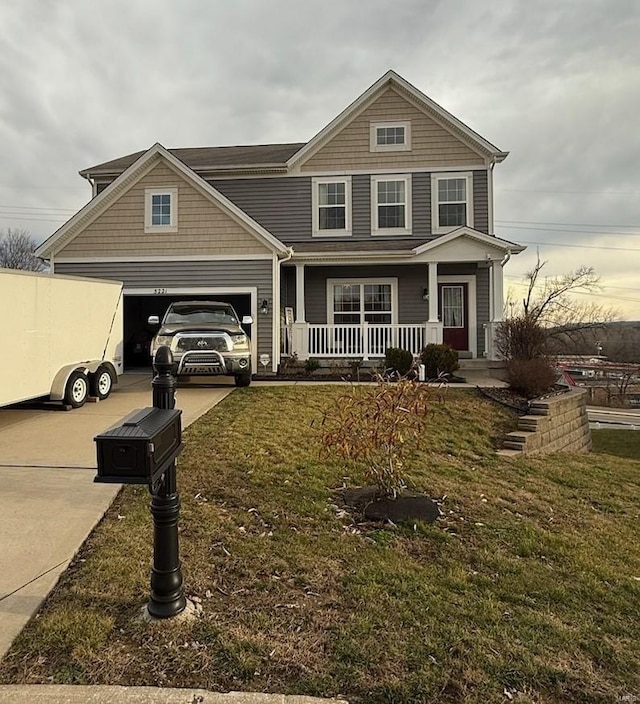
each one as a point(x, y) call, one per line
point(363, 341)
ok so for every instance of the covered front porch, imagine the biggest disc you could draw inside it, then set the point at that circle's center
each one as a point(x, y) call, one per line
point(448, 290)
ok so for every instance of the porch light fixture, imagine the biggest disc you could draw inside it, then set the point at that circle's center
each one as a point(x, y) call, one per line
point(264, 306)
point(425, 294)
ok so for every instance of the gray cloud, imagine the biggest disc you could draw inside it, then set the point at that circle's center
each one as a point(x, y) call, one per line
point(557, 84)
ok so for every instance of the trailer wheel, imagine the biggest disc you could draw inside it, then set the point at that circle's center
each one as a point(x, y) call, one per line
point(101, 383)
point(77, 390)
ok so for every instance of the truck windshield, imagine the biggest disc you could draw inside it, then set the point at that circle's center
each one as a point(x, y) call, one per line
point(200, 314)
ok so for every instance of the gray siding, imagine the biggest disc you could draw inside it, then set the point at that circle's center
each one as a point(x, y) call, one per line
point(480, 202)
point(482, 303)
point(412, 278)
point(284, 205)
point(421, 204)
point(281, 205)
point(188, 274)
point(361, 206)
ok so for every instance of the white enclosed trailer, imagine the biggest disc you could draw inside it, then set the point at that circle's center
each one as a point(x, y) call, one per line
point(60, 337)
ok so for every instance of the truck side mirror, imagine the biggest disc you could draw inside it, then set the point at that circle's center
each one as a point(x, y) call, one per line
point(153, 320)
point(247, 320)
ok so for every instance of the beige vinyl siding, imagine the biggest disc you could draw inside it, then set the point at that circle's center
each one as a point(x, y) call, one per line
point(431, 144)
point(203, 227)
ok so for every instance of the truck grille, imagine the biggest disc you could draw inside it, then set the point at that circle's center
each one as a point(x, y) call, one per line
point(202, 344)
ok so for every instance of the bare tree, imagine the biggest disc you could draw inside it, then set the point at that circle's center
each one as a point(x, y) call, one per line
point(550, 303)
point(16, 250)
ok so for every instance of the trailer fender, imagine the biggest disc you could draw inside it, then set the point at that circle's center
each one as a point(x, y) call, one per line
point(59, 384)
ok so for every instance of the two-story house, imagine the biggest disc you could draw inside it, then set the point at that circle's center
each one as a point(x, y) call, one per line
point(378, 232)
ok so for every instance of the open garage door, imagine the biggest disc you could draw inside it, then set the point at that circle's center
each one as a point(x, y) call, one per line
point(138, 307)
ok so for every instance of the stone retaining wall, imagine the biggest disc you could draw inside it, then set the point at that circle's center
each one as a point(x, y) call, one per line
point(555, 424)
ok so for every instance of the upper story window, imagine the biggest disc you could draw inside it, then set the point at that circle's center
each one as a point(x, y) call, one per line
point(332, 206)
point(161, 210)
point(451, 201)
point(391, 205)
point(390, 137)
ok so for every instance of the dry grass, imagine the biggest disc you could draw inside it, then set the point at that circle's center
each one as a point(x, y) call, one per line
point(527, 585)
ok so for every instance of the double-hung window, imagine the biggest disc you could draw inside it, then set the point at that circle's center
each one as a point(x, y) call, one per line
point(357, 301)
point(391, 205)
point(331, 206)
point(390, 136)
point(161, 210)
point(452, 201)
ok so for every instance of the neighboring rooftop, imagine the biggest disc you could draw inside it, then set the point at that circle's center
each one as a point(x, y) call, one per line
point(211, 158)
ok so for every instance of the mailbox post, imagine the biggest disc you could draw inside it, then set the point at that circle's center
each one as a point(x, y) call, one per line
point(167, 595)
point(142, 449)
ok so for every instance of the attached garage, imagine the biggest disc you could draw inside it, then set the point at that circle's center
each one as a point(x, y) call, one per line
point(139, 304)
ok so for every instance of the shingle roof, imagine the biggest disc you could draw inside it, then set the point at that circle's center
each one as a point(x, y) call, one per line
point(205, 158)
point(379, 245)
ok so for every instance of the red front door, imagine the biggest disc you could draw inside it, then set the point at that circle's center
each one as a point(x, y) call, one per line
point(454, 314)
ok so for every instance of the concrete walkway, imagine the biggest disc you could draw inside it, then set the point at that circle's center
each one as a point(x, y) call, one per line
point(77, 694)
point(49, 503)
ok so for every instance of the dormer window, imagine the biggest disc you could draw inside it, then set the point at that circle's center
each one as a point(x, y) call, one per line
point(390, 137)
point(161, 210)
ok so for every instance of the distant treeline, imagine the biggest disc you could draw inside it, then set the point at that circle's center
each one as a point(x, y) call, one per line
point(619, 341)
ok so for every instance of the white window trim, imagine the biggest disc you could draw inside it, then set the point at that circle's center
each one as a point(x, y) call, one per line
point(375, 229)
point(373, 133)
point(435, 212)
point(148, 196)
point(315, 204)
point(355, 280)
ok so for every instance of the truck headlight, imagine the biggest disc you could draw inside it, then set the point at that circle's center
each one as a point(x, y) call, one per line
point(240, 342)
point(160, 340)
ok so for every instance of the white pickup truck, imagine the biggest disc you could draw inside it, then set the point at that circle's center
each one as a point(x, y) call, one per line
point(61, 337)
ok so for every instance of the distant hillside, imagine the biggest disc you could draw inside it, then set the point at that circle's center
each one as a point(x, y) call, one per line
point(619, 341)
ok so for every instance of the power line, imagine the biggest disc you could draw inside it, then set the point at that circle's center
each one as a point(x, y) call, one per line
point(570, 224)
point(576, 232)
point(620, 288)
point(584, 293)
point(579, 246)
point(34, 207)
point(600, 193)
point(9, 216)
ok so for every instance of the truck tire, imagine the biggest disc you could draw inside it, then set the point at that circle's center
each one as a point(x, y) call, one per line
point(243, 379)
point(76, 390)
point(101, 383)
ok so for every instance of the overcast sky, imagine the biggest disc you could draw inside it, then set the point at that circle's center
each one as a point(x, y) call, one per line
point(555, 83)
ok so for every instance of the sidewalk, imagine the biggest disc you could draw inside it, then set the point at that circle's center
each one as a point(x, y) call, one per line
point(78, 694)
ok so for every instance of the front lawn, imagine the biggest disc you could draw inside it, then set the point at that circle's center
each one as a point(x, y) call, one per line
point(527, 589)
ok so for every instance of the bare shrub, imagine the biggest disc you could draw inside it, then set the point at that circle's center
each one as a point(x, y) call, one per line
point(531, 377)
point(378, 428)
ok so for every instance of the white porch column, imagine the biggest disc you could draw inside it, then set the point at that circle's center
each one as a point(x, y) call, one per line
point(498, 291)
point(497, 305)
point(300, 312)
point(433, 292)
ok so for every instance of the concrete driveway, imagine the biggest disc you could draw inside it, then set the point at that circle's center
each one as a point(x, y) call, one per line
point(48, 501)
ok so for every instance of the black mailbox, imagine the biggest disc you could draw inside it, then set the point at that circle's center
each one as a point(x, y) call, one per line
point(140, 447)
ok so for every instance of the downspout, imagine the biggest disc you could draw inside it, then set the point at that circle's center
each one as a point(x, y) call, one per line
point(507, 256)
point(492, 164)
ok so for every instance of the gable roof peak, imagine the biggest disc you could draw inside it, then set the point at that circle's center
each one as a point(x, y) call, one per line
point(429, 106)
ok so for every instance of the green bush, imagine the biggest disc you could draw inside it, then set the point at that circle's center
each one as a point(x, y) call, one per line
point(438, 359)
point(398, 360)
point(311, 364)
